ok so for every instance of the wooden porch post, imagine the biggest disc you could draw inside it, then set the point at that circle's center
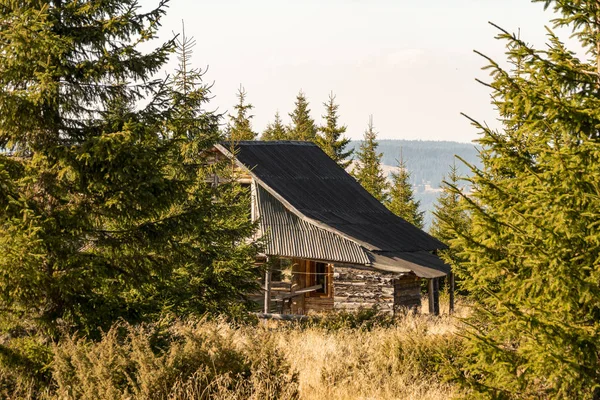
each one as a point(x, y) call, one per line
point(268, 288)
point(430, 295)
point(434, 296)
point(451, 287)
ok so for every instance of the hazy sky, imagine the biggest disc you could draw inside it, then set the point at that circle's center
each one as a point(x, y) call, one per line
point(409, 63)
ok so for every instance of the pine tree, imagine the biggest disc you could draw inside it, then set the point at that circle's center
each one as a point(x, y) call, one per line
point(275, 130)
point(331, 139)
point(215, 266)
point(401, 198)
point(368, 171)
point(240, 127)
point(98, 219)
point(531, 256)
point(303, 126)
point(450, 217)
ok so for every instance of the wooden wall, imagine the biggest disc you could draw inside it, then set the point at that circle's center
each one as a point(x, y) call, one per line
point(353, 287)
point(357, 287)
point(310, 302)
point(407, 293)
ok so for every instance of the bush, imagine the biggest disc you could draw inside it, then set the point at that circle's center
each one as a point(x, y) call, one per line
point(24, 366)
point(203, 360)
point(197, 359)
point(340, 356)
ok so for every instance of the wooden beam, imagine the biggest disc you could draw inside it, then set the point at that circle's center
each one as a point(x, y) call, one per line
point(451, 290)
point(267, 289)
point(430, 296)
point(433, 291)
point(281, 317)
point(298, 292)
point(436, 296)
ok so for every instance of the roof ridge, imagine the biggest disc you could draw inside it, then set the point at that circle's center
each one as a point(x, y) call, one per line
point(270, 143)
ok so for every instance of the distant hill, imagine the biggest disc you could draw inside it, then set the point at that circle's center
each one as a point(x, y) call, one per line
point(428, 163)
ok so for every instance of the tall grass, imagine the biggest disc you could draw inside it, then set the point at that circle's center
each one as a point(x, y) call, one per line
point(334, 358)
point(406, 360)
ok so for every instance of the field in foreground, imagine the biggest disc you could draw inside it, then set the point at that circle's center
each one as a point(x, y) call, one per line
point(405, 361)
point(339, 357)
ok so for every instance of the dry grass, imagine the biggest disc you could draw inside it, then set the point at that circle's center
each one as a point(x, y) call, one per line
point(215, 360)
point(406, 361)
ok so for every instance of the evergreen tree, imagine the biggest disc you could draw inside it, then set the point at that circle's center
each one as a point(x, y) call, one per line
point(368, 171)
point(450, 217)
point(531, 257)
point(401, 198)
point(240, 127)
point(331, 139)
point(215, 267)
point(275, 130)
point(303, 126)
point(104, 213)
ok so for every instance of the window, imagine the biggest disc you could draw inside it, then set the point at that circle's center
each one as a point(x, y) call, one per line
point(320, 274)
point(321, 277)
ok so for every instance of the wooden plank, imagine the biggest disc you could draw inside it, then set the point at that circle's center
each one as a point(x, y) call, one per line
point(436, 296)
point(318, 304)
point(267, 289)
point(356, 306)
point(350, 283)
point(308, 289)
point(281, 317)
point(297, 292)
point(430, 296)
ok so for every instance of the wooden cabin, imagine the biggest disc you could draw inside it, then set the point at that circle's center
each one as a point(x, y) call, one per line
point(330, 244)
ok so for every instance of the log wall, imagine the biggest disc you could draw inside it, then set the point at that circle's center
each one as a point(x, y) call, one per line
point(407, 293)
point(354, 287)
point(357, 287)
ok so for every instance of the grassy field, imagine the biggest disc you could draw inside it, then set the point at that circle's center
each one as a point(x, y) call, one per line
point(337, 357)
point(406, 361)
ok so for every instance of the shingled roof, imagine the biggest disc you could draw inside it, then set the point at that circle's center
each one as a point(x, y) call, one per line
point(306, 199)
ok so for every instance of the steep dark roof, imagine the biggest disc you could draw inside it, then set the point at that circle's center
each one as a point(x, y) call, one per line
point(317, 189)
point(291, 236)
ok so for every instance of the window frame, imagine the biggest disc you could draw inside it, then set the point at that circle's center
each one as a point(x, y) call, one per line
point(312, 279)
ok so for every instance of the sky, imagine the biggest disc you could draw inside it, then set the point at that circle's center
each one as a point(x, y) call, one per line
point(410, 64)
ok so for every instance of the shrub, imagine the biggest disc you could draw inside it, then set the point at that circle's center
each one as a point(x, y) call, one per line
point(342, 356)
point(203, 358)
point(24, 366)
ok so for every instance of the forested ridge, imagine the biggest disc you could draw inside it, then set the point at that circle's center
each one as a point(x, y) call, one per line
point(427, 160)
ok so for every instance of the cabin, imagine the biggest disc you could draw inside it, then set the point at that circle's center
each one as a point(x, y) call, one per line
point(330, 245)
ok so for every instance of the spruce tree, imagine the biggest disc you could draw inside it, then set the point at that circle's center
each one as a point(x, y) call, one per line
point(104, 210)
point(401, 198)
point(303, 126)
point(215, 268)
point(275, 130)
point(331, 139)
point(450, 217)
point(368, 171)
point(240, 127)
point(531, 256)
